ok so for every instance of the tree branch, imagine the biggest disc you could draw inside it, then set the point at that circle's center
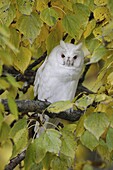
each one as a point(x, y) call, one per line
point(84, 73)
point(26, 106)
point(15, 161)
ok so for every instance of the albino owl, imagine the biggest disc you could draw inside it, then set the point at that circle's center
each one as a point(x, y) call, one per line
point(58, 76)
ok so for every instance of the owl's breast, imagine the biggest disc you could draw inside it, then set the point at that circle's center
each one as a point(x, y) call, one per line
point(67, 74)
point(53, 89)
point(57, 84)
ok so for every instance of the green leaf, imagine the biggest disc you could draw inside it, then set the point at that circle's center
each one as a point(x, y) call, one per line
point(14, 37)
point(4, 132)
point(96, 123)
point(25, 6)
point(7, 14)
point(92, 43)
point(70, 128)
point(49, 141)
point(57, 36)
point(107, 31)
point(81, 10)
point(110, 78)
point(59, 106)
point(71, 25)
point(101, 97)
point(80, 126)
point(7, 42)
point(1, 116)
point(19, 125)
point(98, 54)
point(49, 16)
point(30, 26)
point(4, 3)
point(67, 4)
point(59, 164)
point(19, 135)
point(52, 141)
point(4, 84)
point(90, 4)
point(85, 101)
point(4, 31)
point(13, 107)
point(68, 144)
point(47, 160)
point(89, 140)
point(30, 157)
point(1, 69)
point(40, 149)
point(76, 24)
point(103, 150)
point(87, 167)
point(22, 60)
point(109, 139)
point(110, 6)
point(6, 57)
point(20, 141)
point(12, 81)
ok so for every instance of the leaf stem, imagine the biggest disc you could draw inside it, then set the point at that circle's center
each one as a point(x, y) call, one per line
point(59, 9)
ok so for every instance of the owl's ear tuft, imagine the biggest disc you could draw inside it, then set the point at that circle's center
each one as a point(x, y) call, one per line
point(79, 46)
point(63, 44)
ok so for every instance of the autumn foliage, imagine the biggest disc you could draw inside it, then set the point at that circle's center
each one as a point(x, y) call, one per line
point(29, 28)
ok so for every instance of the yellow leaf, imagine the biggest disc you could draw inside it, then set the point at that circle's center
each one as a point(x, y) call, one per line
point(4, 30)
point(98, 32)
point(67, 4)
point(6, 57)
point(100, 2)
point(41, 5)
point(107, 33)
point(110, 6)
point(25, 6)
point(42, 37)
point(6, 147)
point(30, 26)
point(60, 106)
point(89, 28)
point(7, 14)
point(110, 78)
point(4, 84)
point(22, 60)
point(49, 16)
point(101, 14)
point(12, 106)
point(56, 35)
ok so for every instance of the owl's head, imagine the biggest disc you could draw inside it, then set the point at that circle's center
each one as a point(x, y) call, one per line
point(70, 55)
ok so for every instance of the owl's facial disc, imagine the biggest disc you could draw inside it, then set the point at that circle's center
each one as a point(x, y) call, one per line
point(68, 61)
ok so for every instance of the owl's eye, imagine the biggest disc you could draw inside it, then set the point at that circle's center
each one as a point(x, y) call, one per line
point(63, 56)
point(75, 57)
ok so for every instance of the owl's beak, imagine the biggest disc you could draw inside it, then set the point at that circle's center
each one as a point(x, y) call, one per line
point(68, 61)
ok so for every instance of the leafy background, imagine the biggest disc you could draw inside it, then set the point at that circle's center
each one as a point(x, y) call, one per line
point(28, 28)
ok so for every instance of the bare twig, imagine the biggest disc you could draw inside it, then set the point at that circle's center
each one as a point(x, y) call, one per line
point(15, 161)
point(84, 73)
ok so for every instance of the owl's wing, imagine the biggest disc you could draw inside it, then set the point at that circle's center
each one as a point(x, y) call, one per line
point(38, 76)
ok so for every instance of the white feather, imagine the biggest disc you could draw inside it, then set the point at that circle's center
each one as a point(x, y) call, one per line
point(58, 76)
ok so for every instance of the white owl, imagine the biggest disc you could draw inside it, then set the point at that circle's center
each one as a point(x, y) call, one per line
point(58, 76)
